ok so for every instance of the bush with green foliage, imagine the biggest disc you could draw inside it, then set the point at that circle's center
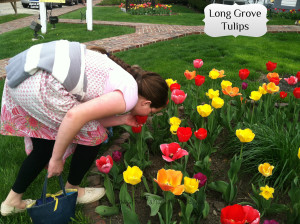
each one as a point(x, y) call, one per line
point(199, 4)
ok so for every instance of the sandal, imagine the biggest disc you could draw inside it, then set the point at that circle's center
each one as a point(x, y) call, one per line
point(91, 195)
point(9, 210)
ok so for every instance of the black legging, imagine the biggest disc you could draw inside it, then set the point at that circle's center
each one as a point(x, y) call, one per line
point(82, 159)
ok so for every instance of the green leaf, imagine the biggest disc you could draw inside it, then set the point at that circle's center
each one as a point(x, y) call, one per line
point(146, 184)
point(161, 220)
point(219, 186)
point(277, 208)
point(124, 196)
point(129, 216)
point(205, 211)
point(109, 191)
point(106, 210)
point(154, 201)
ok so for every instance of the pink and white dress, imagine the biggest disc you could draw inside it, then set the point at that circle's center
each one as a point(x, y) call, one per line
point(37, 106)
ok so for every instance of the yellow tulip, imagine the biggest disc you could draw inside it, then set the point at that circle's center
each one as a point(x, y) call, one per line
point(213, 74)
point(267, 192)
point(174, 121)
point(225, 83)
point(299, 153)
point(212, 93)
point(204, 110)
point(173, 129)
point(191, 185)
point(245, 135)
point(271, 87)
point(217, 102)
point(265, 169)
point(262, 90)
point(133, 175)
point(170, 82)
point(255, 95)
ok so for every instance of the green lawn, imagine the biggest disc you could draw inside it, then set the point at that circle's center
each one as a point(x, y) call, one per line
point(231, 54)
point(7, 18)
point(73, 32)
point(182, 16)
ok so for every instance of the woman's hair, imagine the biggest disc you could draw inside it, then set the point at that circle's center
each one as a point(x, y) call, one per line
point(151, 85)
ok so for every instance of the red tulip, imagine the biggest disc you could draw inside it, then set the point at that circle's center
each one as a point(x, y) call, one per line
point(296, 92)
point(201, 133)
point(104, 164)
point(174, 86)
point(283, 94)
point(198, 63)
point(233, 214)
point(178, 96)
point(244, 73)
point(252, 215)
point(141, 119)
point(184, 134)
point(291, 80)
point(172, 151)
point(276, 80)
point(136, 129)
point(298, 76)
point(271, 66)
point(199, 80)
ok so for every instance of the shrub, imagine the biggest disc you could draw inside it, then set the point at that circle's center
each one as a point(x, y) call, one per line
point(199, 4)
point(183, 2)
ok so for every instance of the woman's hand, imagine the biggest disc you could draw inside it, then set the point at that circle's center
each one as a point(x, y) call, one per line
point(130, 120)
point(55, 167)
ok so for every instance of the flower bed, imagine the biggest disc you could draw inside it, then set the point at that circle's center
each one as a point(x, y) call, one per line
point(258, 126)
point(148, 9)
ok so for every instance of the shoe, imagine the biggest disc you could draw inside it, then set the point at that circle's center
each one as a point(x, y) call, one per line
point(91, 195)
point(9, 210)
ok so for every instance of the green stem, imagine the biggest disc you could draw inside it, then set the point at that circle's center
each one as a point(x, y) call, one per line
point(252, 112)
point(199, 151)
point(167, 203)
point(241, 152)
point(133, 202)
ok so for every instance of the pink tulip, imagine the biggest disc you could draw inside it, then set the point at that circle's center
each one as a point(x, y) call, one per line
point(198, 63)
point(291, 80)
point(252, 215)
point(178, 96)
point(172, 151)
point(104, 164)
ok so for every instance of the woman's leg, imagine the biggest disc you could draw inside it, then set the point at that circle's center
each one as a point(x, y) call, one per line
point(29, 170)
point(83, 157)
point(82, 160)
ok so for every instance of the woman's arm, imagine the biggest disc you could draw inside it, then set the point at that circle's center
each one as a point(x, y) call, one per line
point(117, 120)
point(104, 106)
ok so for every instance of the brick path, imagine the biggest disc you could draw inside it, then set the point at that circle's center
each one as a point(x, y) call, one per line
point(145, 34)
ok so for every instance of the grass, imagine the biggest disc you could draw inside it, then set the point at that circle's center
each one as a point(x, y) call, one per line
point(172, 58)
point(111, 2)
point(7, 18)
point(182, 16)
point(72, 32)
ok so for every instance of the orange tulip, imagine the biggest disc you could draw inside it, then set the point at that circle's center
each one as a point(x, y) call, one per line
point(273, 75)
point(170, 180)
point(189, 75)
point(231, 91)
